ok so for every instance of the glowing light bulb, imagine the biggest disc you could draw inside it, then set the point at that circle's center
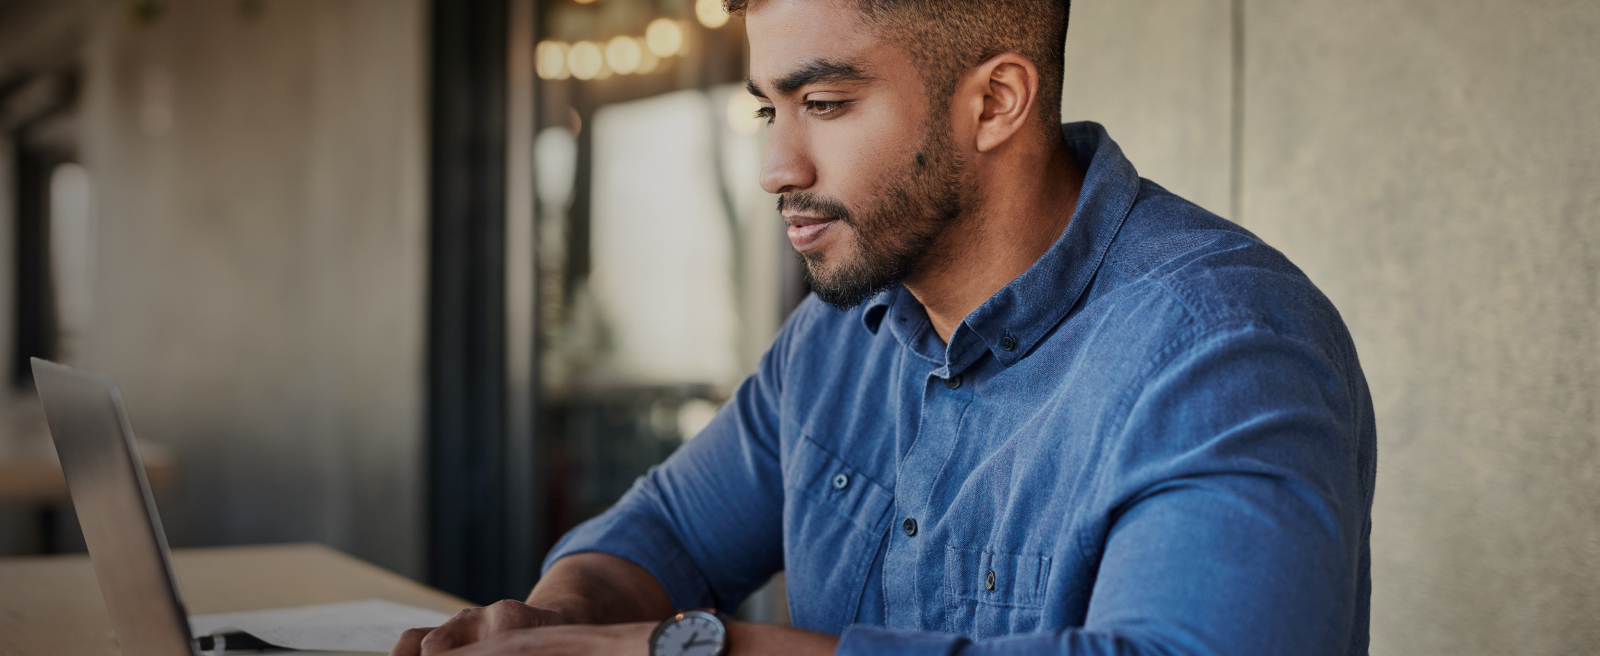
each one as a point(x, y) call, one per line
point(585, 60)
point(624, 55)
point(710, 13)
point(664, 37)
point(550, 60)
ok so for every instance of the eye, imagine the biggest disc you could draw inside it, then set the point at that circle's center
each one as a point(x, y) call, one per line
point(766, 113)
point(823, 107)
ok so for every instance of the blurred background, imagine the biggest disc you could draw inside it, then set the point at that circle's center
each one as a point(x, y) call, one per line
point(432, 282)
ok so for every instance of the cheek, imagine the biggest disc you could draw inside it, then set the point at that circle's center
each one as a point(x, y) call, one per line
point(856, 156)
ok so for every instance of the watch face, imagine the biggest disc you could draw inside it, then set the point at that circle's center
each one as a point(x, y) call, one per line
point(689, 633)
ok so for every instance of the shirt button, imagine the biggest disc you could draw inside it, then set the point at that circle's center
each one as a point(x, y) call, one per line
point(988, 582)
point(1008, 343)
point(841, 481)
point(909, 526)
point(952, 382)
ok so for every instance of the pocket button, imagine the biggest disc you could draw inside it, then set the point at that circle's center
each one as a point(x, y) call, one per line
point(988, 582)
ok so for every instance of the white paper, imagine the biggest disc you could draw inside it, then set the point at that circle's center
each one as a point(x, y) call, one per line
point(366, 626)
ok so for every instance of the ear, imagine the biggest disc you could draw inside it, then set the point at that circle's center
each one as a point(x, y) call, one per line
point(1000, 94)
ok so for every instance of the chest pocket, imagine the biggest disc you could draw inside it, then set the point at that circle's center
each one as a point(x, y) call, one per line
point(835, 521)
point(991, 593)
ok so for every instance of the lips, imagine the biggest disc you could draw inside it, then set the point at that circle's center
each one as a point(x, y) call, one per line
point(806, 231)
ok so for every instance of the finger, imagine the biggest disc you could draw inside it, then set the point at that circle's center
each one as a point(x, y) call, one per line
point(525, 641)
point(456, 631)
point(500, 617)
point(508, 615)
point(410, 642)
point(438, 642)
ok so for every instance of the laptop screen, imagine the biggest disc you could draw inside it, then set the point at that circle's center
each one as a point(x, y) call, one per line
point(115, 508)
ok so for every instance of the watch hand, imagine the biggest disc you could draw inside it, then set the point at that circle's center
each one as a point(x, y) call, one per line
point(691, 641)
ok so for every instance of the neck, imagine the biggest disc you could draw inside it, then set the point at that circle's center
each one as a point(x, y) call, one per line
point(1024, 203)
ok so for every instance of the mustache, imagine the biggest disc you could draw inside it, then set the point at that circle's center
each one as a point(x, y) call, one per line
point(801, 201)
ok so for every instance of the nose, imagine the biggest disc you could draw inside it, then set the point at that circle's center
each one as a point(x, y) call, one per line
point(788, 165)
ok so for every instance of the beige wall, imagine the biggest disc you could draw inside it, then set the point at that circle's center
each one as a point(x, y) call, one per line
point(261, 286)
point(1434, 165)
point(1158, 75)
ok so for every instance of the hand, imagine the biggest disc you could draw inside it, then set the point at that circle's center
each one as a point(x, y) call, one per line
point(475, 625)
point(574, 640)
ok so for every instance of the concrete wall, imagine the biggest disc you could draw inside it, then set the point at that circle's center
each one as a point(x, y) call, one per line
point(1158, 74)
point(1434, 166)
point(261, 272)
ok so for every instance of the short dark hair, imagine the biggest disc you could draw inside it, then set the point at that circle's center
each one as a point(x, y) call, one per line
point(946, 38)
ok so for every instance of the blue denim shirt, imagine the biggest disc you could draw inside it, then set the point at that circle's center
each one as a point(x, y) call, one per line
point(1155, 440)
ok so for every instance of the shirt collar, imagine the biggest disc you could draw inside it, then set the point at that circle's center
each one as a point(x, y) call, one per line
point(1029, 307)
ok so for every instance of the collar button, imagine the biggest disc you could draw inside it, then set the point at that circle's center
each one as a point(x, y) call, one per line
point(1008, 343)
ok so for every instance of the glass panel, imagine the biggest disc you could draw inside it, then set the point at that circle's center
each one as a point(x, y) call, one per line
point(663, 267)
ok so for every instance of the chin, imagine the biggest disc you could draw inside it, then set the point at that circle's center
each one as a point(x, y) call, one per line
point(822, 265)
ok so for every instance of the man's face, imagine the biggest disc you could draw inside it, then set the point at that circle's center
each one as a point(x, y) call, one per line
point(867, 173)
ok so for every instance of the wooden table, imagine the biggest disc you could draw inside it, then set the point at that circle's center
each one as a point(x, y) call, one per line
point(51, 605)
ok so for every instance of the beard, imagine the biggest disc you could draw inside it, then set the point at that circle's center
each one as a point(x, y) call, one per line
point(918, 204)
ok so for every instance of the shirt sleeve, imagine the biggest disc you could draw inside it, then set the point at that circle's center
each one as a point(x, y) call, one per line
point(707, 522)
point(1241, 520)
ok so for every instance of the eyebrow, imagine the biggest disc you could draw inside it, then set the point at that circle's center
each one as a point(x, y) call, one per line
point(813, 72)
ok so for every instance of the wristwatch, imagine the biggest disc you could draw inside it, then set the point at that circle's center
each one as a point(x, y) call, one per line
point(690, 633)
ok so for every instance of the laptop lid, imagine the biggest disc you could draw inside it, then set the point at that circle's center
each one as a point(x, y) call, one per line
point(115, 508)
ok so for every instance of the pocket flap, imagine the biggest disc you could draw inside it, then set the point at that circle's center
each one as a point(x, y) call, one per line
point(1000, 579)
point(816, 472)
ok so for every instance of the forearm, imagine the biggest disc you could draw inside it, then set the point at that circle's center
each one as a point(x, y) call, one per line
point(598, 588)
point(746, 639)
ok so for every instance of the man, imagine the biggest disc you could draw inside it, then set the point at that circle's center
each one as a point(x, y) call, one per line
point(1037, 404)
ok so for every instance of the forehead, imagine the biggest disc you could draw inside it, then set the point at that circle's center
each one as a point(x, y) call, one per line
point(786, 35)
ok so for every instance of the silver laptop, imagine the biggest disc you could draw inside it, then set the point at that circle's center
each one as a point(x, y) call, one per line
point(118, 515)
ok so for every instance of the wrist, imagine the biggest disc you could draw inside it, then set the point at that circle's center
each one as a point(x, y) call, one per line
point(697, 632)
point(750, 639)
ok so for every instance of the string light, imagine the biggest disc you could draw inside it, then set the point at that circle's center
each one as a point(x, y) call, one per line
point(622, 55)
